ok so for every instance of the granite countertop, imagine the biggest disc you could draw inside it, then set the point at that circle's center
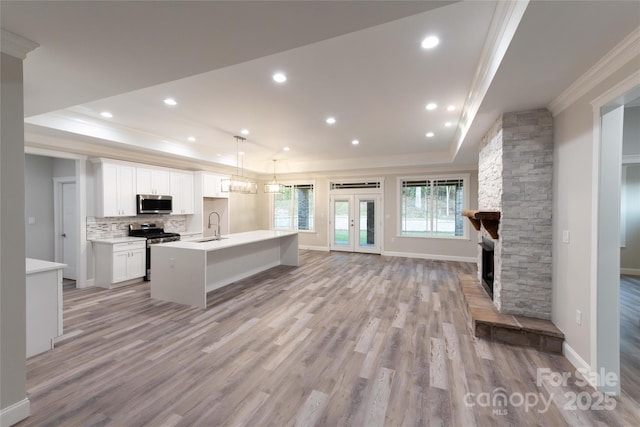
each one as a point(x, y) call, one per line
point(114, 240)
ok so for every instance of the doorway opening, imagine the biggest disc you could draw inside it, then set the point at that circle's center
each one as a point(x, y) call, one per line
point(607, 179)
point(355, 220)
point(65, 225)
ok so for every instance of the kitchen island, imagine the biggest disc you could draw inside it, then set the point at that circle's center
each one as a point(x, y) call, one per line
point(185, 271)
point(44, 304)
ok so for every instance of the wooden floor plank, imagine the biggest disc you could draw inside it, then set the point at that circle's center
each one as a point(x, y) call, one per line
point(342, 340)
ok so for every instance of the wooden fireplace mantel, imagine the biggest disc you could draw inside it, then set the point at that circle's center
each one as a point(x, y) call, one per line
point(488, 219)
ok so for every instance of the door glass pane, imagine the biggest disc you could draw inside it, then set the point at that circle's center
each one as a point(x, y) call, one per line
point(341, 222)
point(367, 223)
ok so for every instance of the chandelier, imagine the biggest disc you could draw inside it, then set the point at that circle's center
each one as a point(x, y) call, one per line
point(273, 186)
point(238, 183)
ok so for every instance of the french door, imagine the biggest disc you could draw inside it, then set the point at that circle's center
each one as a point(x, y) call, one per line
point(355, 223)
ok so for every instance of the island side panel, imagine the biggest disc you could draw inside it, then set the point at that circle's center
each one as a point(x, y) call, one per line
point(179, 275)
point(289, 250)
point(238, 262)
point(42, 311)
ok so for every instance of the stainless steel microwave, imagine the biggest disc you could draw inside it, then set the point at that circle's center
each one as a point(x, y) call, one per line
point(153, 204)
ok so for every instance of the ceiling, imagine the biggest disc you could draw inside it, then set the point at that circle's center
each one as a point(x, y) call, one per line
point(360, 62)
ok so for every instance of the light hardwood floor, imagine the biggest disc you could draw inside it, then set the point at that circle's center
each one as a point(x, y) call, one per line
point(344, 339)
point(630, 336)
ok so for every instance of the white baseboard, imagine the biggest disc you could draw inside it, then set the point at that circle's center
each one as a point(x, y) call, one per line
point(630, 271)
point(314, 248)
point(15, 413)
point(578, 362)
point(90, 283)
point(431, 256)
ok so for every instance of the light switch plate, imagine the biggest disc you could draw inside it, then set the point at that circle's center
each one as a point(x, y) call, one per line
point(32, 220)
point(566, 236)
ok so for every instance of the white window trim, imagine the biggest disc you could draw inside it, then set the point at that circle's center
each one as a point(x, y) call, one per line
point(466, 177)
point(288, 183)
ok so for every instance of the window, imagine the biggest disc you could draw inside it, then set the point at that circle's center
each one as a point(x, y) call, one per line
point(293, 208)
point(432, 207)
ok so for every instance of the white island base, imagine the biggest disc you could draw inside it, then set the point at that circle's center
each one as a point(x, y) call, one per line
point(184, 271)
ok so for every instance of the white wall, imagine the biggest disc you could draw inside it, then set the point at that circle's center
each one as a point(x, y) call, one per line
point(38, 183)
point(631, 132)
point(39, 204)
point(13, 400)
point(64, 168)
point(244, 213)
point(572, 211)
point(630, 253)
point(410, 246)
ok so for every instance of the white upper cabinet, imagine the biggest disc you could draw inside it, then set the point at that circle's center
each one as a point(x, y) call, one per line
point(115, 190)
point(182, 193)
point(152, 181)
point(212, 185)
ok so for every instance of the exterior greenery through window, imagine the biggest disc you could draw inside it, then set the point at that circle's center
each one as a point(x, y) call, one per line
point(293, 208)
point(432, 207)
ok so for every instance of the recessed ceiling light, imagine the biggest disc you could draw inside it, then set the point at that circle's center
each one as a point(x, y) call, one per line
point(219, 155)
point(241, 153)
point(279, 78)
point(170, 101)
point(430, 42)
point(106, 114)
point(286, 148)
point(245, 131)
point(430, 134)
point(191, 139)
point(432, 106)
point(331, 120)
point(355, 142)
point(451, 108)
point(448, 124)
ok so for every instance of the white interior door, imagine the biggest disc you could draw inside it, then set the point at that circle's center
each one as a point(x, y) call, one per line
point(355, 223)
point(68, 229)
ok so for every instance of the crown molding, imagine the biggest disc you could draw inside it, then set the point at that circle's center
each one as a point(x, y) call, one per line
point(622, 53)
point(15, 45)
point(504, 23)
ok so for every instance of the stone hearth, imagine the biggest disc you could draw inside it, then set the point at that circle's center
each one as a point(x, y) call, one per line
point(488, 323)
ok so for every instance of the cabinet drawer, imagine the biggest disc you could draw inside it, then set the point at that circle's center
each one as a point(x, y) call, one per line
point(129, 246)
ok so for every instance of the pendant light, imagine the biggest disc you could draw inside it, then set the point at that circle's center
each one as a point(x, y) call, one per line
point(273, 186)
point(238, 183)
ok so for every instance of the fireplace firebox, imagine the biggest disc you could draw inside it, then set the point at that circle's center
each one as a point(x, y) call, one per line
point(487, 246)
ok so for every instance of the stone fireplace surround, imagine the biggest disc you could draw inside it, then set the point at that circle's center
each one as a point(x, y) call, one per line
point(515, 171)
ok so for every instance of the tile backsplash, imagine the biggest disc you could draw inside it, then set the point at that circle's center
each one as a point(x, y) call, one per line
point(106, 228)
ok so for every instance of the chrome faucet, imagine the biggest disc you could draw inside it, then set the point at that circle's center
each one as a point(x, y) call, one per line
point(217, 234)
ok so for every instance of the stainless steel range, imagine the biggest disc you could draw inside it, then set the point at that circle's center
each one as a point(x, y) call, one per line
point(154, 233)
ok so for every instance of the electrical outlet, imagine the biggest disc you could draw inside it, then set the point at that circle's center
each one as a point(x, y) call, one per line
point(578, 317)
point(113, 227)
point(32, 220)
point(566, 236)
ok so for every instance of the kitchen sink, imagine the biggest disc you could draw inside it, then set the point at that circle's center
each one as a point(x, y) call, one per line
point(211, 239)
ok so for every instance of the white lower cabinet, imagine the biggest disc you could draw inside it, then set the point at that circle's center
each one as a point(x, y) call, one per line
point(120, 263)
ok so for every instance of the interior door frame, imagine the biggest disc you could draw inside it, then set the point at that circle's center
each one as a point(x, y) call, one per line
point(605, 311)
point(58, 182)
point(354, 193)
